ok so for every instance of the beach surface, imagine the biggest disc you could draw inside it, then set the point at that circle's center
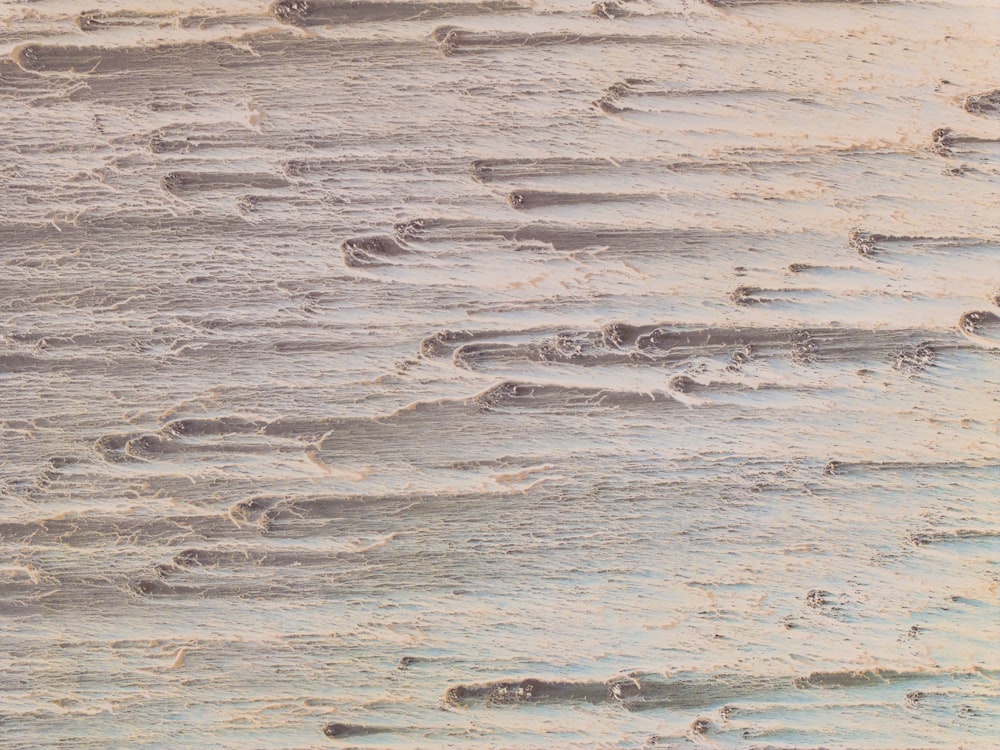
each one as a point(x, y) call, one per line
point(499, 374)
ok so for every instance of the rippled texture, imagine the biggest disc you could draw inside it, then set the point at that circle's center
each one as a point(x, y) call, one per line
point(499, 374)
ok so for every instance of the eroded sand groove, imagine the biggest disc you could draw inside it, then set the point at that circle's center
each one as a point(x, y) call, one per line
point(499, 374)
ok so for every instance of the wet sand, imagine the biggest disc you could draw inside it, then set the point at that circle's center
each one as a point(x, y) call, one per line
point(499, 374)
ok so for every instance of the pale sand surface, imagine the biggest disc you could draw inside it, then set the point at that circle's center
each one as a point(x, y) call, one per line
point(499, 375)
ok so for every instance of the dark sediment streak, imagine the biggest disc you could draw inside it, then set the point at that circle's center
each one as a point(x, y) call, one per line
point(983, 104)
point(323, 12)
point(338, 730)
point(115, 71)
point(568, 237)
point(837, 468)
point(958, 535)
point(527, 200)
point(52, 58)
point(944, 141)
point(870, 244)
point(96, 20)
point(620, 343)
point(493, 170)
point(457, 41)
point(648, 691)
point(378, 250)
point(196, 182)
point(979, 321)
point(740, 3)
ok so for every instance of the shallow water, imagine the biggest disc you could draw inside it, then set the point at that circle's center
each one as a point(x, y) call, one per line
point(499, 375)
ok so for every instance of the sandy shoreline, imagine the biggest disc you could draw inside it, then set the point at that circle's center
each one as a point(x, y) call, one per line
point(499, 375)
